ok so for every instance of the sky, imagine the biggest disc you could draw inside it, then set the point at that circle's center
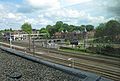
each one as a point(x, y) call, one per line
point(39, 13)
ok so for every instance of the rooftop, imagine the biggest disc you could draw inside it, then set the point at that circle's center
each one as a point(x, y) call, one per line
point(29, 71)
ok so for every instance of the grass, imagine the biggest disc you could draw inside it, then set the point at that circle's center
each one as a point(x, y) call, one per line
point(75, 50)
point(87, 52)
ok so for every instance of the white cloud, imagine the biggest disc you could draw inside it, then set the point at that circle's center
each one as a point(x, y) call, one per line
point(66, 13)
point(16, 16)
point(98, 19)
point(1, 7)
point(75, 14)
point(2, 12)
point(44, 12)
point(11, 15)
point(71, 2)
point(75, 17)
point(45, 21)
point(17, 5)
point(46, 4)
point(31, 20)
point(40, 16)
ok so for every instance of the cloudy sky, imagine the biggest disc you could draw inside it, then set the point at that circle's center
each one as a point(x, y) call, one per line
point(13, 13)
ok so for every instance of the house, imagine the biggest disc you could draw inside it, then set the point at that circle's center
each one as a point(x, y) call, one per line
point(68, 35)
point(21, 35)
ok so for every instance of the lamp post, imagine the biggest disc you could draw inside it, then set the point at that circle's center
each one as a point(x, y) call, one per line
point(33, 45)
point(85, 38)
point(10, 40)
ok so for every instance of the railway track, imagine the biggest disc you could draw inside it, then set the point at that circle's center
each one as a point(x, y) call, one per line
point(101, 71)
point(99, 58)
point(115, 62)
point(105, 72)
point(24, 44)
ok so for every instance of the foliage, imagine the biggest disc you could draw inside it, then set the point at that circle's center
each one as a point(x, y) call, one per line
point(108, 32)
point(64, 27)
point(44, 31)
point(105, 50)
point(99, 30)
point(112, 28)
point(27, 28)
point(73, 49)
point(6, 30)
point(89, 27)
point(50, 29)
point(58, 25)
point(82, 27)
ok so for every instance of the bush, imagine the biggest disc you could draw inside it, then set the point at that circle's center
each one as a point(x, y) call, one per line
point(105, 50)
point(109, 48)
point(75, 49)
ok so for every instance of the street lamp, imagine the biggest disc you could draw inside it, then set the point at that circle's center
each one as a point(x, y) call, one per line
point(10, 40)
point(85, 37)
point(33, 45)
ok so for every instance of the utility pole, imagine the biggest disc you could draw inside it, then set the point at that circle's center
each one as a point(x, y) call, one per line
point(85, 38)
point(29, 38)
point(33, 45)
point(10, 40)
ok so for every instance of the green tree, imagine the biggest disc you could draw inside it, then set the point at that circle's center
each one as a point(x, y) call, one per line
point(64, 27)
point(82, 27)
point(71, 28)
point(99, 30)
point(26, 27)
point(44, 31)
point(112, 30)
point(109, 31)
point(51, 30)
point(11, 29)
point(58, 26)
point(89, 27)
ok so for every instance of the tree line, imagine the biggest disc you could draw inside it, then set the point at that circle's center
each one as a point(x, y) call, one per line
point(105, 32)
point(108, 32)
point(64, 27)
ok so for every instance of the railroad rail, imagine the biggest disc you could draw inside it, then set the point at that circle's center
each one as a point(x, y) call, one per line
point(99, 58)
point(72, 54)
point(114, 75)
point(109, 73)
point(108, 61)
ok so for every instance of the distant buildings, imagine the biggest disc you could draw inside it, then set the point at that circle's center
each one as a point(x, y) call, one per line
point(21, 35)
point(73, 35)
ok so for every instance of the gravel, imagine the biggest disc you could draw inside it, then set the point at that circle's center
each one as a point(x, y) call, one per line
point(14, 68)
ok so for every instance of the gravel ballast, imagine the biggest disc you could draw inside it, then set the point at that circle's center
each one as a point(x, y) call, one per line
point(14, 68)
